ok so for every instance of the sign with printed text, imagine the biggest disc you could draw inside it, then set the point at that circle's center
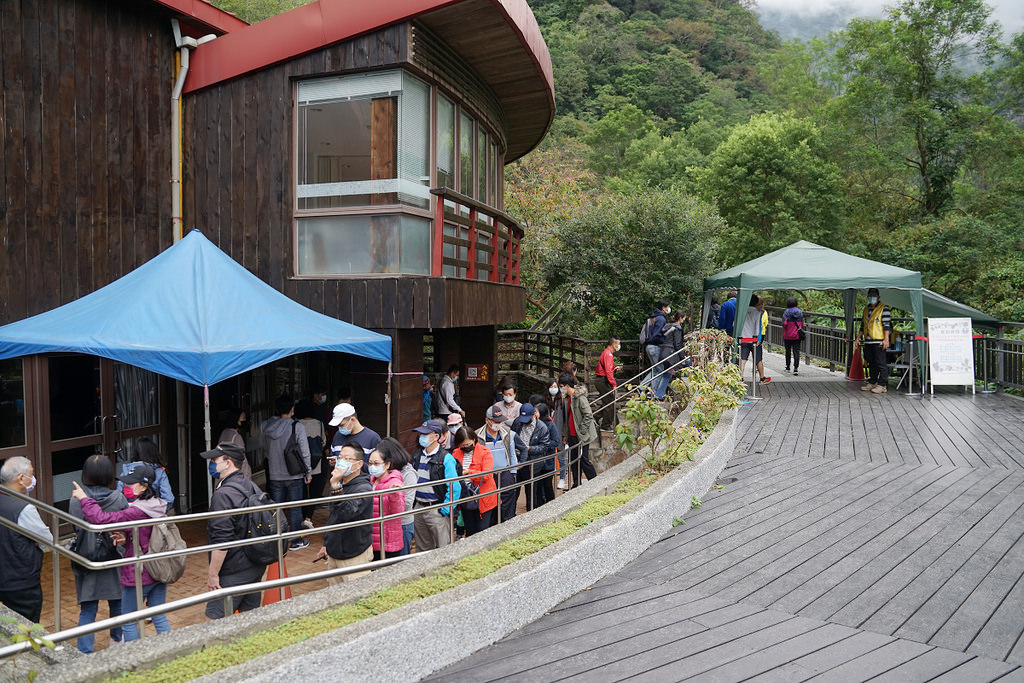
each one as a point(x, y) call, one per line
point(951, 351)
point(476, 372)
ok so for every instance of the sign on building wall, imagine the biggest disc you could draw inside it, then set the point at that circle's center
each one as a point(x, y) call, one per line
point(476, 372)
point(951, 351)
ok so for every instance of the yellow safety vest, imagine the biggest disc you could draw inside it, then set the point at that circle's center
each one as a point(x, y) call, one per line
point(873, 322)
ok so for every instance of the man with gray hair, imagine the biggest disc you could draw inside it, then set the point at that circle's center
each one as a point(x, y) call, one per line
point(21, 558)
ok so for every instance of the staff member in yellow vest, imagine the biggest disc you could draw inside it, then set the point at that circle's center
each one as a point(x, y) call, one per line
point(874, 337)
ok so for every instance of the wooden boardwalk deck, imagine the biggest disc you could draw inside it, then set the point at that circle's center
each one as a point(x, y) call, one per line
point(857, 537)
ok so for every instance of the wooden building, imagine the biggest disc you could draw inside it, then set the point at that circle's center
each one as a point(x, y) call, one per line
point(349, 154)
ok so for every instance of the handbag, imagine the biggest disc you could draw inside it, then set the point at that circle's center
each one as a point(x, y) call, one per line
point(293, 454)
point(800, 334)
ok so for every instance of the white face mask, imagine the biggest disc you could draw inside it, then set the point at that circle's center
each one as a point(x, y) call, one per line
point(553, 391)
point(509, 399)
point(31, 485)
point(376, 470)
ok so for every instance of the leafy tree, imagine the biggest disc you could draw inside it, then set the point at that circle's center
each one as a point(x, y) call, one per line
point(613, 260)
point(903, 95)
point(613, 134)
point(774, 184)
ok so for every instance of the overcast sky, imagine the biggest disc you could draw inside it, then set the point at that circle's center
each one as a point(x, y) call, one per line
point(1009, 13)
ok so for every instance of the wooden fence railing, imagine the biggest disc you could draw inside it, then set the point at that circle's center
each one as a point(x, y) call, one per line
point(474, 241)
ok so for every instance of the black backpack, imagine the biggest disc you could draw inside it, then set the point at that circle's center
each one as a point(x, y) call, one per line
point(293, 461)
point(259, 524)
point(437, 474)
point(316, 450)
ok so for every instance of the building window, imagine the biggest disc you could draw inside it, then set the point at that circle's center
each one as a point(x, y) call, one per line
point(12, 403)
point(445, 142)
point(345, 245)
point(467, 143)
point(363, 140)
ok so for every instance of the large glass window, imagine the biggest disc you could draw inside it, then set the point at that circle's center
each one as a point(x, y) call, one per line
point(467, 143)
point(445, 142)
point(343, 245)
point(363, 139)
point(12, 403)
point(481, 166)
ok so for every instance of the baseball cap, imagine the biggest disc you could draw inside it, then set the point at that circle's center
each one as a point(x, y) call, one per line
point(526, 412)
point(232, 450)
point(430, 427)
point(341, 411)
point(141, 474)
point(454, 419)
point(495, 412)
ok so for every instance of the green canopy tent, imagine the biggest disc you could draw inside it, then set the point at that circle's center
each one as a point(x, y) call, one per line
point(804, 265)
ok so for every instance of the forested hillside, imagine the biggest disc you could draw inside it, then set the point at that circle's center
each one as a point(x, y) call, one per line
point(688, 138)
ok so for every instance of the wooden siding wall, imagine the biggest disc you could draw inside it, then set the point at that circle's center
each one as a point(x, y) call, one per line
point(84, 147)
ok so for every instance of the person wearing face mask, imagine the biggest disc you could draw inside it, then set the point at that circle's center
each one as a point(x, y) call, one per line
point(352, 545)
point(383, 478)
point(477, 459)
point(351, 430)
point(230, 567)
point(509, 405)
point(654, 338)
point(506, 449)
point(535, 435)
point(145, 452)
point(446, 394)
point(21, 558)
point(143, 503)
point(875, 328)
point(575, 422)
point(432, 528)
point(605, 384)
point(455, 422)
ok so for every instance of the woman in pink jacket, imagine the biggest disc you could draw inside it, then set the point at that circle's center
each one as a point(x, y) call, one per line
point(384, 477)
point(143, 503)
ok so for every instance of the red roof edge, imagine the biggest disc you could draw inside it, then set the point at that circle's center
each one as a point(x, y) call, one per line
point(325, 22)
point(206, 15)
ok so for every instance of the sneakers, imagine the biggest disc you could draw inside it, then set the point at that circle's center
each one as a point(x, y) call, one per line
point(561, 484)
point(796, 372)
point(308, 523)
point(870, 386)
point(765, 380)
point(298, 544)
point(879, 389)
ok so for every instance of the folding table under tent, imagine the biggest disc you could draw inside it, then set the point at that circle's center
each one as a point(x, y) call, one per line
point(805, 265)
point(193, 314)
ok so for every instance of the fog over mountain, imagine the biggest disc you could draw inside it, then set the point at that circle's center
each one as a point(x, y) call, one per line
point(808, 18)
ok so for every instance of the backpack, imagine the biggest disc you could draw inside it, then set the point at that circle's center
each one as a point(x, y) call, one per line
point(293, 454)
point(95, 546)
point(260, 524)
point(316, 450)
point(165, 537)
point(644, 333)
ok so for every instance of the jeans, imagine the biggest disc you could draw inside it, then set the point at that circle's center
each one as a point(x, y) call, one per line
point(87, 615)
point(154, 594)
point(563, 462)
point(654, 356)
point(407, 532)
point(287, 490)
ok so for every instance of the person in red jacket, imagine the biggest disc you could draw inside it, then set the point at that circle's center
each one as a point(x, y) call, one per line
point(606, 385)
point(476, 459)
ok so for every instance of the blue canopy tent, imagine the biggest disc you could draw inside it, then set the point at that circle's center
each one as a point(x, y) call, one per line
point(193, 314)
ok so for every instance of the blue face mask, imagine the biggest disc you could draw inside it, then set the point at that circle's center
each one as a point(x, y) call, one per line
point(376, 470)
point(344, 431)
point(212, 466)
point(424, 440)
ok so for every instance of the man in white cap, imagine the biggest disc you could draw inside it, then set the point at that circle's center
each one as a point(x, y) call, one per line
point(351, 430)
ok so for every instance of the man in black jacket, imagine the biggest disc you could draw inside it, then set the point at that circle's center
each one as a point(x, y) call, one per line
point(349, 546)
point(230, 567)
point(21, 559)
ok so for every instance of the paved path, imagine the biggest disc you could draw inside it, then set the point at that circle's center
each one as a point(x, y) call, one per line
point(827, 555)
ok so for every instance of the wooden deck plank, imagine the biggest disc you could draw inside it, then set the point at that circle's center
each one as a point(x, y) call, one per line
point(978, 670)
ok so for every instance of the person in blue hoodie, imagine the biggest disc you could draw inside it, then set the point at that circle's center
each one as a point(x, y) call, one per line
point(655, 338)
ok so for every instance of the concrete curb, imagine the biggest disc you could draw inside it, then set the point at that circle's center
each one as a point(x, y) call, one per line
point(419, 618)
point(477, 614)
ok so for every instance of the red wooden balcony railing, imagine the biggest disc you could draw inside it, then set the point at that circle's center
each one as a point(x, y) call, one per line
point(474, 241)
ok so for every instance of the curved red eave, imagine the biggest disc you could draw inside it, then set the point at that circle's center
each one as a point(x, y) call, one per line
point(202, 13)
point(324, 22)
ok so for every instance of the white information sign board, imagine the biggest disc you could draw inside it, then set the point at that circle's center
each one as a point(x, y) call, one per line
point(951, 351)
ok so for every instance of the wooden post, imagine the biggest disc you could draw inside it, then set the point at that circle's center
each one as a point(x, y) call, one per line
point(471, 250)
point(495, 246)
point(438, 256)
